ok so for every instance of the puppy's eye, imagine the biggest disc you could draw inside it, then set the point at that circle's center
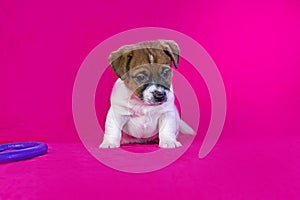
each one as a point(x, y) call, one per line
point(140, 78)
point(165, 73)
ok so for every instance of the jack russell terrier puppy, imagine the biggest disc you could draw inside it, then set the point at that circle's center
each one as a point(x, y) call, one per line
point(142, 100)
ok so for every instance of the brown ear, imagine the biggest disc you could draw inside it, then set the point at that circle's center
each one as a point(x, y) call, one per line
point(119, 61)
point(171, 49)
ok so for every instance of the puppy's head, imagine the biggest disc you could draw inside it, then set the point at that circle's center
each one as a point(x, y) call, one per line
point(146, 68)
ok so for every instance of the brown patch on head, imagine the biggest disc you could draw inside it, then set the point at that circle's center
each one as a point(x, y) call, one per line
point(152, 59)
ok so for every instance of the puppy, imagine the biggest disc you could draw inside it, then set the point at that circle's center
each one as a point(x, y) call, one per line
point(142, 100)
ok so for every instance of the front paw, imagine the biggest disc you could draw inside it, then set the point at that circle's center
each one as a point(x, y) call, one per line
point(169, 144)
point(105, 145)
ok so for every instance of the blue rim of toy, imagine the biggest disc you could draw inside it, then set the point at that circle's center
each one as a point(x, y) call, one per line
point(21, 150)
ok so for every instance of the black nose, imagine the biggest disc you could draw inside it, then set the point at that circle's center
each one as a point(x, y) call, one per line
point(159, 95)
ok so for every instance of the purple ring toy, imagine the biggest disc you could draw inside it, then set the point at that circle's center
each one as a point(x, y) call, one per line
point(21, 150)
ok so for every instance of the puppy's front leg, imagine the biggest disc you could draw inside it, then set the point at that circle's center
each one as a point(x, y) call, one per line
point(168, 130)
point(113, 129)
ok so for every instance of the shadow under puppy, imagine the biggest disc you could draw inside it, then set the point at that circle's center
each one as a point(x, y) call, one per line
point(142, 100)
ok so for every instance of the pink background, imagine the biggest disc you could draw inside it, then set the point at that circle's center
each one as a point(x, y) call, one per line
point(255, 46)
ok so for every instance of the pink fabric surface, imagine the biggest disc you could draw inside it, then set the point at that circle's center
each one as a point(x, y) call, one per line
point(236, 169)
point(255, 45)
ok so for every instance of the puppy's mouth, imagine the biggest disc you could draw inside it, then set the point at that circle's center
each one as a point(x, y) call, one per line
point(154, 94)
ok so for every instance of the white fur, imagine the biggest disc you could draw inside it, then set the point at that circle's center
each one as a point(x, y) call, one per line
point(140, 120)
point(151, 59)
